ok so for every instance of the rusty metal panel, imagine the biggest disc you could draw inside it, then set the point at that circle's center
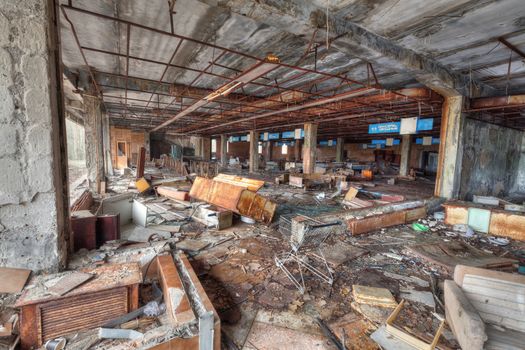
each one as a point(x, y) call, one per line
point(507, 225)
point(234, 198)
point(250, 184)
point(376, 222)
point(455, 214)
point(82, 312)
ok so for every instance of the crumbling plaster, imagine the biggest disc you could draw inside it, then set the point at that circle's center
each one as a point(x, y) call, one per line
point(31, 190)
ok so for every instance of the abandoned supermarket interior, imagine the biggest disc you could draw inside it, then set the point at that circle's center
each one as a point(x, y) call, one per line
point(262, 174)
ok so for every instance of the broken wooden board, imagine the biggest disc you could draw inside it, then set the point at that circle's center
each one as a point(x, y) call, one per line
point(373, 296)
point(177, 303)
point(455, 215)
point(69, 282)
point(213, 216)
point(13, 279)
point(376, 222)
point(249, 184)
point(415, 214)
point(450, 254)
point(234, 198)
point(351, 194)
point(340, 253)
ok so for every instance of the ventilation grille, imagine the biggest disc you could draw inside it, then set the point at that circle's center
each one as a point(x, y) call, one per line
point(82, 312)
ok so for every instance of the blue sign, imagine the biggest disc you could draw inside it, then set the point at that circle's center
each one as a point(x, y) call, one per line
point(378, 142)
point(244, 138)
point(287, 143)
point(394, 127)
point(381, 128)
point(234, 138)
point(273, 136)
point(261, 136)
point(288, 134)
point(425, 124)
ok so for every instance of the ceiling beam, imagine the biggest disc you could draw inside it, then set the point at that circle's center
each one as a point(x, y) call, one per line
point(307, 19)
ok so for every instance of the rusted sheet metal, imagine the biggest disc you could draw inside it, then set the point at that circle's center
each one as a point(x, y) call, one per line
point(177, 302)
point(371, 223)
point(497, 102)
point(415, 214)
point(112, 293)
point(455, 214)
point(173, 193)
point(507, 224)
point(234, 198)
point(250, 184)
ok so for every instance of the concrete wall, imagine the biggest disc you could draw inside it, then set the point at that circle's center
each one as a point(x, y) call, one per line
point(520, 178)
point(76, 148)
point(491, 159)
point(33, 196)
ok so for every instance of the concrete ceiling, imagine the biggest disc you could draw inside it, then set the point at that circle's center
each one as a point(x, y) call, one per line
point(459, 37)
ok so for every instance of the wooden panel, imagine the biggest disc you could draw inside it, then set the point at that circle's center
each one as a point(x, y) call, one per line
point(505, 224)
point(371, 223)
point(177, 302)
point(250, 184)
point(455, 215)
point(29, 326)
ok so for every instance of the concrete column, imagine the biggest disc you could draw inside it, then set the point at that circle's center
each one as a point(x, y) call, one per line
point(309, 148)
point(297, 150)
point(267, 151)
point(339, 149)
point(224, 150)
point(94, 141)
point(406, 145)
point(106, 144)
point(206, 148)
point(450, 148)
point(147, 145)
point(254, 151)
point(34, 206)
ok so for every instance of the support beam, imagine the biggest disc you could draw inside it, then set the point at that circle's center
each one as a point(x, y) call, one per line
point(297, 150)
point(254, 151)
point(224, 150)
point(406, 145)
point(267, 150)
point(450, 148)
point(339, 149)
point(34, 205)
point(94, 141)
point(310, 147)
point(147, 145)
point(206, 148)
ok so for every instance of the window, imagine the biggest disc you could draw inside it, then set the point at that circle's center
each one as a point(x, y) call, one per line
point(284, 149)
point(259, 148)
point(213, 145)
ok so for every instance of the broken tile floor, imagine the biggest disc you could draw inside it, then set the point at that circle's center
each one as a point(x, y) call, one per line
point(259, 306)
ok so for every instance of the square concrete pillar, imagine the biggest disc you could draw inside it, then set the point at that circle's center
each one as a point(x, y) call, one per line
point(224, 150)
point(309, 148)
point(267, 151)
point(450, 148)
point(339, 149)
point(206, 148)
point(94, 126)
point(254, 151)
point(406, 145)
point(34, 207)
point(297, 150)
